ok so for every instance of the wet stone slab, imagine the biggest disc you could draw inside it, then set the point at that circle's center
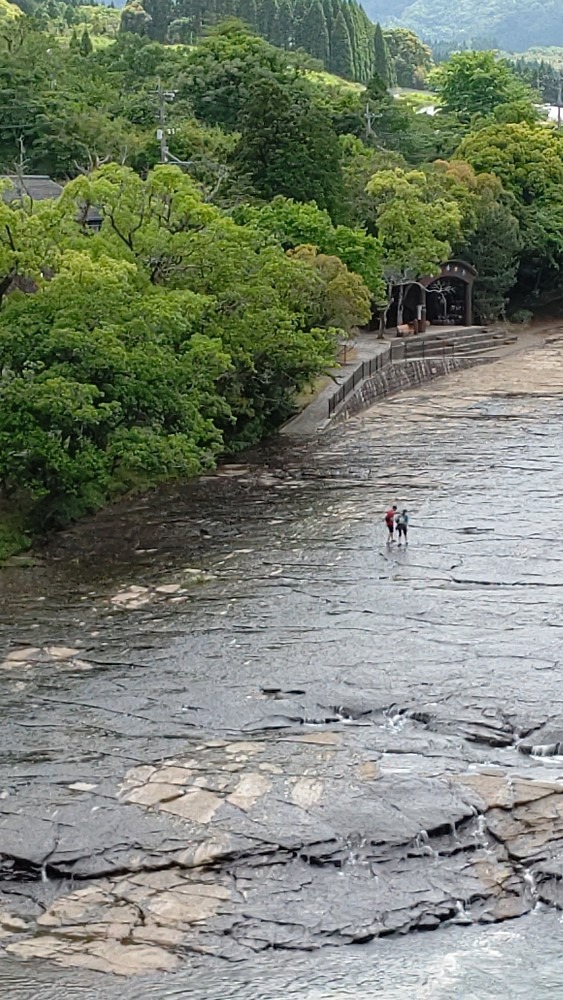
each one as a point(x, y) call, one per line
point(256, 851)
point(234, 719)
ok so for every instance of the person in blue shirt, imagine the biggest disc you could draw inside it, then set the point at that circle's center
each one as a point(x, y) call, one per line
point(402, 522)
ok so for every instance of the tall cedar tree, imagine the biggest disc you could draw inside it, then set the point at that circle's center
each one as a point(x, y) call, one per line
point(315, 38)
point(86, 47)
point(346, 9)
point(312, 25)
point(300, 11)
point(283, 28)
point(382, 59)
point(248, 13)
point(341, 61)
point(271, 15)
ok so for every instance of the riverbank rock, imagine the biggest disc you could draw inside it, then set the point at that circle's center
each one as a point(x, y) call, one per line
point(288, 843)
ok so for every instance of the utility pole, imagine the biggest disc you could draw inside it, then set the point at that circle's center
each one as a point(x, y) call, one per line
point(368, 119)
point(163, 96)
point(161, 133)
point(559, 102)
point(21, 163)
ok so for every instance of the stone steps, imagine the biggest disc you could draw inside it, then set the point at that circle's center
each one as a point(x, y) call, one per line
point(445, 335)
point(477, 352)
point(461, 345)
point(486, 342)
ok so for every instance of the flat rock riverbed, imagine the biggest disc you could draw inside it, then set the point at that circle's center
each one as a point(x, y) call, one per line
point(236, 722)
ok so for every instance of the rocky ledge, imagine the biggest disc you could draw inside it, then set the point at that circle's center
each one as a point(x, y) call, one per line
point(243, 846)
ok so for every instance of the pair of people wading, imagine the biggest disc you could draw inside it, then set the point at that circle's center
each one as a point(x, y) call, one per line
point(400, 521)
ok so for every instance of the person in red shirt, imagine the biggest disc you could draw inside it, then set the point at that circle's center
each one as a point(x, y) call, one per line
point(390, 521)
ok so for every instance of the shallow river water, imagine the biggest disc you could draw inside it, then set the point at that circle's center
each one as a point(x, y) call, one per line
point(251, 751)
point(516, 960)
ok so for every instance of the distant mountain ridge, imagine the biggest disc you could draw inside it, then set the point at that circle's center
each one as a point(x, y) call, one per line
point(510, 24)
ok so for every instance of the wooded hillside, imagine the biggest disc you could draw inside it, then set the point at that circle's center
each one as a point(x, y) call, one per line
point(508, 24)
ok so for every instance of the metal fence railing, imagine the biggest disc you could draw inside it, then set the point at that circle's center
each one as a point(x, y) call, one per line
point(360, 373)
point(398, 350)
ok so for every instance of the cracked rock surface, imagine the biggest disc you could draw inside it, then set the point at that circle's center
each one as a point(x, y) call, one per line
point(235, 720)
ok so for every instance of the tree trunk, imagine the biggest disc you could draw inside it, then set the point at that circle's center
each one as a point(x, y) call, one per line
point(400, 305)
point(384, 314)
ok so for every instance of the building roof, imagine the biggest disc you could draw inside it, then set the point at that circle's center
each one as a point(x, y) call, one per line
point(35, 186)
point(39, 187)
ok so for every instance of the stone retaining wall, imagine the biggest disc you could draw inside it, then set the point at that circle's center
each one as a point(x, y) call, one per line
point(399, 376)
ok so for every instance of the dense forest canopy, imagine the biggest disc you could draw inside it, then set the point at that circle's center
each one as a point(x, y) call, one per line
point(219, 283)
point(336, 32)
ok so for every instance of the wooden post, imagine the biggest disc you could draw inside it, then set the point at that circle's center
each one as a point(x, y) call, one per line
point(418, 321)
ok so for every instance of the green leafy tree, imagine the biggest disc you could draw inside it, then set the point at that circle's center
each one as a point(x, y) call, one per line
point(416, 227)
point(493, 247)
point(29, 239)
point(135, 19)
point(412, 59)
point(346, 300)
point(86, 405)
point(220, 72)
point(527, 159)
point(170, 335)
point(395, 125)
point(293, 224)
point(359, 163)
point(478, 84)
point(288, 146)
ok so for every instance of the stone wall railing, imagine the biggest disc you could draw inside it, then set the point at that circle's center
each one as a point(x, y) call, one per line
point(397, 351)
point(398, 376)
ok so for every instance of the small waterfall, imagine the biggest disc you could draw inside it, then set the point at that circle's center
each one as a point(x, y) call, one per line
point(422, 843)
point(547, 750)
point(531, 884)
point(356, 848)
point(481, 834)
point(461, 914)
point(421, 838)
point(395, 718)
